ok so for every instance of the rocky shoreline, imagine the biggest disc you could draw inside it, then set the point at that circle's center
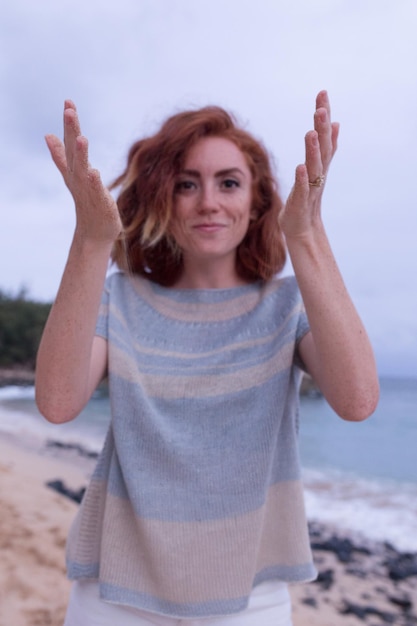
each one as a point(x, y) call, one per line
point(359, 580)
point(371, 581)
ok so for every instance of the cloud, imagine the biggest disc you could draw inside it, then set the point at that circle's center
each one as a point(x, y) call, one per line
point(129, 64)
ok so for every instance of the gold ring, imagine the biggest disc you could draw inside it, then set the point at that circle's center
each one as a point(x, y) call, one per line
point(318, 182)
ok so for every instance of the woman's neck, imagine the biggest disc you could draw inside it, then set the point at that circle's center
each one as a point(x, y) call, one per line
point(212, 276)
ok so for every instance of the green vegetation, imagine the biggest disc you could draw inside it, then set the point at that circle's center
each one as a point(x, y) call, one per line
point(21, 325)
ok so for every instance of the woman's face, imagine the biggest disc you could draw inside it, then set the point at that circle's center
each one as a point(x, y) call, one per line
point(212, 203)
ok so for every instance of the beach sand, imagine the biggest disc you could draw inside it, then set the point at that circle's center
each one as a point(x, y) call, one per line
point(34, 522)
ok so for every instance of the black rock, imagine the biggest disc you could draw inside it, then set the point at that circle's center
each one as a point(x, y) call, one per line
point(362, 612)
point(404, 603)
point(355, 571)
point(59, 486)
point(325, 578)
point(343, 548)
point(402, 566)
point(72, 446)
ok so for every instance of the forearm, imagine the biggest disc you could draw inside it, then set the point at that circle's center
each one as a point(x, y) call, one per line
point(64, 377)
point(338, 353)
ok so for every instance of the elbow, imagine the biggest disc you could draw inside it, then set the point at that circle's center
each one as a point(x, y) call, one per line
point(54, 415)
point(360, 405)
point(56, 400)
point(53, 410)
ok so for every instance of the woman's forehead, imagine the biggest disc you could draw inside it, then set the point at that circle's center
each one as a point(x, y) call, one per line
point(218, 152)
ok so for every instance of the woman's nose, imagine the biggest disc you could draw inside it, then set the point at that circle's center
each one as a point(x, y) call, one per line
point(208, 202)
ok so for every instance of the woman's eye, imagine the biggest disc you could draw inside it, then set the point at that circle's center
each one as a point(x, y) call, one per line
point(184, 185)
point(229, 183)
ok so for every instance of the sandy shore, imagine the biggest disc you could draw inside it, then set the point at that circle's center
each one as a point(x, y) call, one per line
point(355, 586)
point(34, 522)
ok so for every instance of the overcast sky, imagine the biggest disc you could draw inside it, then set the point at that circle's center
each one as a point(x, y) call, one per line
point(129, 64)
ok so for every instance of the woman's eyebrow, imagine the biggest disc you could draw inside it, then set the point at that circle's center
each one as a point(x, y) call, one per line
point(225, 172)
point(230, 171)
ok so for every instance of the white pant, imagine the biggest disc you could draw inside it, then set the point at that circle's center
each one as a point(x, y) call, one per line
point(269, 605)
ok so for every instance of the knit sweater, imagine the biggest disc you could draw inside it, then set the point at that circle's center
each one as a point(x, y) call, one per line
point(196, 496)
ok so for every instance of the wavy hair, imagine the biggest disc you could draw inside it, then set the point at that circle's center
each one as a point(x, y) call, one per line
point(146, 199)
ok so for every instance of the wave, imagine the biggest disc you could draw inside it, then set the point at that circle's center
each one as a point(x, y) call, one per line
point(381, 510)
point(19, 417)
point(15, 392)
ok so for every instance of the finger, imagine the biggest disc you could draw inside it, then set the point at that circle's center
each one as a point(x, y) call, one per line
point(96, 184)
point(95, 179)
point(323, 127)
point(335, 135)
point(57, 151)
point(72, 130)
point(69, 104)
point(301, 187)
point(328, 147)
point(323, 102)
point(80, 162)
point(314, 165)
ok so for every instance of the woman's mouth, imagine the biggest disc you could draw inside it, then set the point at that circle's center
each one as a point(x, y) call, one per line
point(209, 227)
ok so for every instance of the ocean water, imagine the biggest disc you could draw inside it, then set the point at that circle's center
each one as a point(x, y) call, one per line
point(360, 477)
point(363, 476)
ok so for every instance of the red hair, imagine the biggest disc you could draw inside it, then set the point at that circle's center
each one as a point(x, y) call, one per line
point(146, 199)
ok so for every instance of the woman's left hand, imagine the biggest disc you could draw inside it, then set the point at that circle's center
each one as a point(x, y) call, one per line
point(302, 209)
point(337, 351)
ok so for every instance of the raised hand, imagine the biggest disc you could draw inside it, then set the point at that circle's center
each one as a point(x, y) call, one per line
point(302, 209)
point(97, 213)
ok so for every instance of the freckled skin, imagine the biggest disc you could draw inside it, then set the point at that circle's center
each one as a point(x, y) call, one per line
point(211, 216)
point(212, 208)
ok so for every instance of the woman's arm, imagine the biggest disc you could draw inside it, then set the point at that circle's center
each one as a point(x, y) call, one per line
point(337, 351)
point(71, 361)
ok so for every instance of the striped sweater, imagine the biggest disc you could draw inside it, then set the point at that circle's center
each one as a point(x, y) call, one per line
point(196, 496)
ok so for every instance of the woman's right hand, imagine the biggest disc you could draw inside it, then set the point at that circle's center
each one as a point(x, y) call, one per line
point(97, 214)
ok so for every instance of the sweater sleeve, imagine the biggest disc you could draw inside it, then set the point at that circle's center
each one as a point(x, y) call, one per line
point(102, 324)
point(303, 327)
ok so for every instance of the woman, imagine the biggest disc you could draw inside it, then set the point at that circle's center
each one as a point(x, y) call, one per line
point(195, 512)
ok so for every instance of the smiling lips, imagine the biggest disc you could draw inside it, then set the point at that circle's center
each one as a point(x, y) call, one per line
point(209, 227)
